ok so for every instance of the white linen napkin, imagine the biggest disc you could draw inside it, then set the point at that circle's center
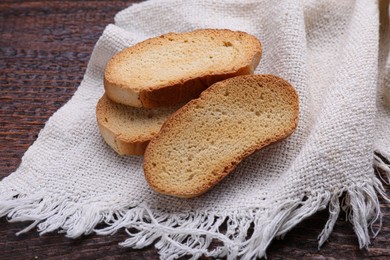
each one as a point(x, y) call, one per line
point(330, 51)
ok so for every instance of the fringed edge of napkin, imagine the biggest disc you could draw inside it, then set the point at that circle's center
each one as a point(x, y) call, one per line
point(193, 233)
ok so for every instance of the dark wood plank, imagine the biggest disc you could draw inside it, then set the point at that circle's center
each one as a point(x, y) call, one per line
point(44, 50)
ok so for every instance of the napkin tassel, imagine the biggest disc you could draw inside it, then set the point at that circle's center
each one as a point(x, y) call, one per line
point(244, 233)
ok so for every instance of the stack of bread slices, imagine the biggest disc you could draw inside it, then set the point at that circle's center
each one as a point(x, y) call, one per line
point(190, 103)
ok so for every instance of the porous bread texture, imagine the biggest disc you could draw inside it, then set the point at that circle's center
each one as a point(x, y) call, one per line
point(127, 129)
point(204, 140)
point(176, 67)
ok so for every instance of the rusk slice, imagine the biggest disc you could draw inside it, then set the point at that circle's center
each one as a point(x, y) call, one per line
point(204, 140)
point(127, 129)
point(176, 67)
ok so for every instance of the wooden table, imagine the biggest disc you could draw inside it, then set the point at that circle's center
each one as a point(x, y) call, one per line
point(44, 50)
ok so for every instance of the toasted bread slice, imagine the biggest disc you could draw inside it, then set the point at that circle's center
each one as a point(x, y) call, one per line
point(176, 67)
point(127, 129)
point(204, 140)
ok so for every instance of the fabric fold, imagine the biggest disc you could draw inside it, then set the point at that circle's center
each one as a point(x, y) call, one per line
point(334, 55)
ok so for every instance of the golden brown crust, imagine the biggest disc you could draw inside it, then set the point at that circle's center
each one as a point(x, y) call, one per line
point(181, 89)
point(221, 168)
point(185, 91)
point(123, 141)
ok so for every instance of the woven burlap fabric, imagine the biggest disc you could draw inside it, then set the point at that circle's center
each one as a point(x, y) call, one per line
point(333, 55)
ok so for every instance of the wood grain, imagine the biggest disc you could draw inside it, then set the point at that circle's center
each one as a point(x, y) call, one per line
point(44, 49)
